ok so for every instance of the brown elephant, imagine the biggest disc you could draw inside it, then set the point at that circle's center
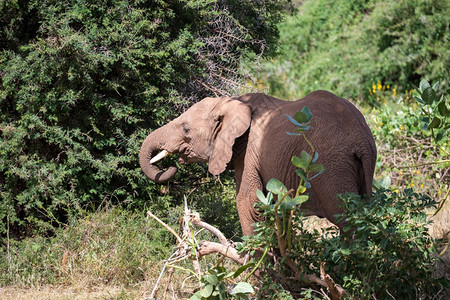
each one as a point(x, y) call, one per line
point(248, 134)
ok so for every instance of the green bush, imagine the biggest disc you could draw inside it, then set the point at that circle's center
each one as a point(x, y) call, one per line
point(384, 251)
point(388, 250)
point(347, 46)
point(83, 82)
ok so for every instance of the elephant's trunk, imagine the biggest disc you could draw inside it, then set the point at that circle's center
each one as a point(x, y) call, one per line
point(150, 147)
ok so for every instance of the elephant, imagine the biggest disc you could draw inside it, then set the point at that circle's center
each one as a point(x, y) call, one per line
point(248, 134)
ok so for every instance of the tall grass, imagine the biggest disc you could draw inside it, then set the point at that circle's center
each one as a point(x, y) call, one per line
point(113, 246)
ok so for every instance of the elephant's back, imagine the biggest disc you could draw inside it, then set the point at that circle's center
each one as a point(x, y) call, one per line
point(337, 131)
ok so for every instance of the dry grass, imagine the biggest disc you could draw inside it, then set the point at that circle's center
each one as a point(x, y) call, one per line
point(69, 292)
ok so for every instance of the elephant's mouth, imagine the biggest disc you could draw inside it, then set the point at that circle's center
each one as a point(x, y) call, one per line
point(185, 156)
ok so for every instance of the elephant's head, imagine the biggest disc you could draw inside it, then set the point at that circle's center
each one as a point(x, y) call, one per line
point(204, 133)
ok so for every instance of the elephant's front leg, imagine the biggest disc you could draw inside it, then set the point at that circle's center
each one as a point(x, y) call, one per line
point(247, 183)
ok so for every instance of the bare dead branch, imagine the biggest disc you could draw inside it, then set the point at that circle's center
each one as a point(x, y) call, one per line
point(207, 248)
point(336, 291)
point(165, 226)
point(195, 219)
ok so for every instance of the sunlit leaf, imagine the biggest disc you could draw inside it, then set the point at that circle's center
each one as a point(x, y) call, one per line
point(424, 85)
point(242, 288)
point(275, 186)
point(299, 162)
point(261, 196)
point(436, 85)
point(212, 279)
point(206, 291)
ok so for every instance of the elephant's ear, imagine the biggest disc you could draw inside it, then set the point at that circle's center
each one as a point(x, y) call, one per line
point(233, 121)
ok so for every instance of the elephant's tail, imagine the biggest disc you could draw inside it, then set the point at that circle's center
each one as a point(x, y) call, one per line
point(368, 158)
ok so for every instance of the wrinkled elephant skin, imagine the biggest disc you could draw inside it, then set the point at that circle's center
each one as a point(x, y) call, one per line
point(248, 133)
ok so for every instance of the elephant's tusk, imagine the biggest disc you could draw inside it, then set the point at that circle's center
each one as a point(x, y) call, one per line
point(159, 156)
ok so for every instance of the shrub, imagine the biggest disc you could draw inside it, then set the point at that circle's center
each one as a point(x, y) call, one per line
point(388, 251)
point(343, 45)
point(82, 83)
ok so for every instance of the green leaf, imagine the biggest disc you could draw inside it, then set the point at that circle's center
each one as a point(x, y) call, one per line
point(300, 199)
point(435, 123)
point(261, 197)
point(206, 291)
point(424, 85)
point(301, 173)
point(429, 95)
point(242, 269)
point(212, 279)
point(346, 251)
point(299, 162)
point(307, 112)
point(316, 168)
point(294, 121)
point(442, 107)
point(275, 186)
point(418, 96)
point(242, 288)
point(436, 85)
point(196, 296)
point(300, 117)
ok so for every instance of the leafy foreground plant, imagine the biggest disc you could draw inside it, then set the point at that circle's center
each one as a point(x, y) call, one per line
point(436, 119)
point(384, 251)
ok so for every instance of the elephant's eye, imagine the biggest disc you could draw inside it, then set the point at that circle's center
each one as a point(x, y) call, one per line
point(186, 129)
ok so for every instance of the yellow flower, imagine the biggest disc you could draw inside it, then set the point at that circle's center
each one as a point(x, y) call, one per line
point(381, 124)
point(379, 86)
point(387, 86)
point(394, 91)
point(421, 185)
point(401, 172)
point(412, 183)
point(374, 87)
point(396, 191)
point(417, 172)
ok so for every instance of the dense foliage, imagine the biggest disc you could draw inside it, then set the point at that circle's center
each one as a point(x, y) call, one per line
point(385, 251)
point(82, 82)
point(348, 46)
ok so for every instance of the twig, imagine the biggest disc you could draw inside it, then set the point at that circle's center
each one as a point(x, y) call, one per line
point(438, 162)
point(336, 291)
point(155, 288)
point(165, 226)
point(170, 273)
point(195, 219)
